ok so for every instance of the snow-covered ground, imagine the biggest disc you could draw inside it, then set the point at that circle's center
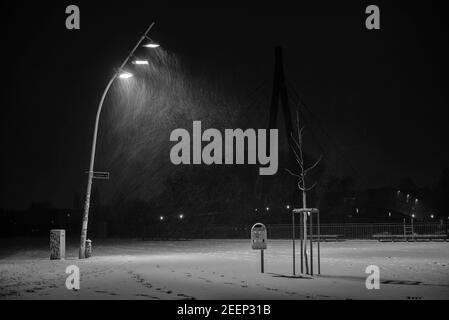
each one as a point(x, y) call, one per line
point(227, 269)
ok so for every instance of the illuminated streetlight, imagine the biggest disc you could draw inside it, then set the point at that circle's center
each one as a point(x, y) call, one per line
point(181, 216)
point(121, 75)
point(161, 218)
point(256, 210)
point(288, 207)
point(140, 62)
point(267, 208)
point(413, 215)
point(432, 216)
point(125, 75)
point(152, 45)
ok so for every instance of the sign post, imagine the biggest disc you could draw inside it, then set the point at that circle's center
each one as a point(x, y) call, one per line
point(259, 241)
point(99, 175)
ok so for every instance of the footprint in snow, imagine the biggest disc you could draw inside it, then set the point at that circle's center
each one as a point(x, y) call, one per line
point(186, 297)
point(145, 295)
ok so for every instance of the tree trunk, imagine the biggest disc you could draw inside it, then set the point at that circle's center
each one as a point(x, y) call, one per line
point(304, 205)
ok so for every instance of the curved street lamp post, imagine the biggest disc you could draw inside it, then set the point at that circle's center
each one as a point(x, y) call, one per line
point(123, 75)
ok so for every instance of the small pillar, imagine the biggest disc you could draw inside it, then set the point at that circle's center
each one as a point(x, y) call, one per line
point(57, 244)
point(88, 248)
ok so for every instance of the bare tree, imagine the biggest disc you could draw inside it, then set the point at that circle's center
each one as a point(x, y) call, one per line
point(297, 148)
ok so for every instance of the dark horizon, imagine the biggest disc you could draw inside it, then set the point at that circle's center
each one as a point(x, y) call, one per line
point(381, 95)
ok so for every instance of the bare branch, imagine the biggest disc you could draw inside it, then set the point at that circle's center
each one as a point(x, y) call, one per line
point(297, 123)
point(293, 174)
point(310, 188)
point(314, 165)
point(299, 128)
point(300, 150)
point(300, 132)
point(294, 140)
point(298, 159)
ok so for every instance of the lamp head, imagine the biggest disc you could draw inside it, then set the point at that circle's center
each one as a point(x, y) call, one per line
point(125, 75)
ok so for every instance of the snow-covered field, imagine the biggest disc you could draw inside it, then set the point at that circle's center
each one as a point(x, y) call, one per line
point(226, 269)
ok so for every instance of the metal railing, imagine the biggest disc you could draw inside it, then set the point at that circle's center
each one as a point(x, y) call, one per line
point(359, 230)
point(332, 231)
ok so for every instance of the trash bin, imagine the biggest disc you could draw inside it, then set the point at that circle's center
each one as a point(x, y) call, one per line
point(88, 248)
point(57, 244)
point(259, 237)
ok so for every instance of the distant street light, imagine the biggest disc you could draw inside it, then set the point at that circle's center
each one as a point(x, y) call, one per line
point(161, 218)
point(267, 208)
point(181, 216)
point(288, 207)
point(140, 62)
point(432, 216)
point(118, 74)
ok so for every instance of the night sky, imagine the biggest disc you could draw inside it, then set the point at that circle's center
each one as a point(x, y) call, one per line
point(382, 95)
